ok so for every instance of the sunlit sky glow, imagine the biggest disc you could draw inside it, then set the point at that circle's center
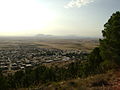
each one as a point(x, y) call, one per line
point(55, 17)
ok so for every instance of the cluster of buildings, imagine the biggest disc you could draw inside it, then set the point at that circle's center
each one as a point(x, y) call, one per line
point(23, 57)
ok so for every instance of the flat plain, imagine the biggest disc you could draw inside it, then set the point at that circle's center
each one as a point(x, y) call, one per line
point(84, 44)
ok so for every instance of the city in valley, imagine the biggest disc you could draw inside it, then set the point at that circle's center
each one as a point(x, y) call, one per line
point(21, 53)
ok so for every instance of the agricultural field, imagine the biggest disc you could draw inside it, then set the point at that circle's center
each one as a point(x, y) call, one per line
point(64, 44)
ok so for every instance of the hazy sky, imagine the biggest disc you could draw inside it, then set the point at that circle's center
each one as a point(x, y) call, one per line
point(56, 17)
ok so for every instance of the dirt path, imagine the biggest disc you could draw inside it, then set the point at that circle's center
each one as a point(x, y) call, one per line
point(116, 82)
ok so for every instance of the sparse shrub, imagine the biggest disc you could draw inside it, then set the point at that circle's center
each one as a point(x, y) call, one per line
point(107, 65)
point(99, 83)
point(73, 84)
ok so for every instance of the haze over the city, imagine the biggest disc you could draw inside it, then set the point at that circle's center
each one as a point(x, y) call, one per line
point(55, 17)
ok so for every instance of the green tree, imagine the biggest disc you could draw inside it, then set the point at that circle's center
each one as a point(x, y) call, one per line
point(110, 44)
point(94, 60)
point(3, 82)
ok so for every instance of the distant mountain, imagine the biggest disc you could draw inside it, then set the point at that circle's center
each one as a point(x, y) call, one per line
point(60, 37)
point(44, 36)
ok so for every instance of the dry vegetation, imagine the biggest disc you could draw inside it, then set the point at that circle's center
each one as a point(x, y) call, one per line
point(81, 44)
point(107, 81)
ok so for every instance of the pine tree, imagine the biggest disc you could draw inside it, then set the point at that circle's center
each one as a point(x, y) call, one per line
point(110, 44)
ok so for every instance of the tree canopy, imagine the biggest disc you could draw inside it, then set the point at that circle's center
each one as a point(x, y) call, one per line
point(110, 44)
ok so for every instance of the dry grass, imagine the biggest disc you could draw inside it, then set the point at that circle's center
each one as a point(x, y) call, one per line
point(81, 44)
point(85, 45)
point(97, 82)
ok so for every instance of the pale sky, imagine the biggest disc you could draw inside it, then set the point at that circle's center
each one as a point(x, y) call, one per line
point(55, 17)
